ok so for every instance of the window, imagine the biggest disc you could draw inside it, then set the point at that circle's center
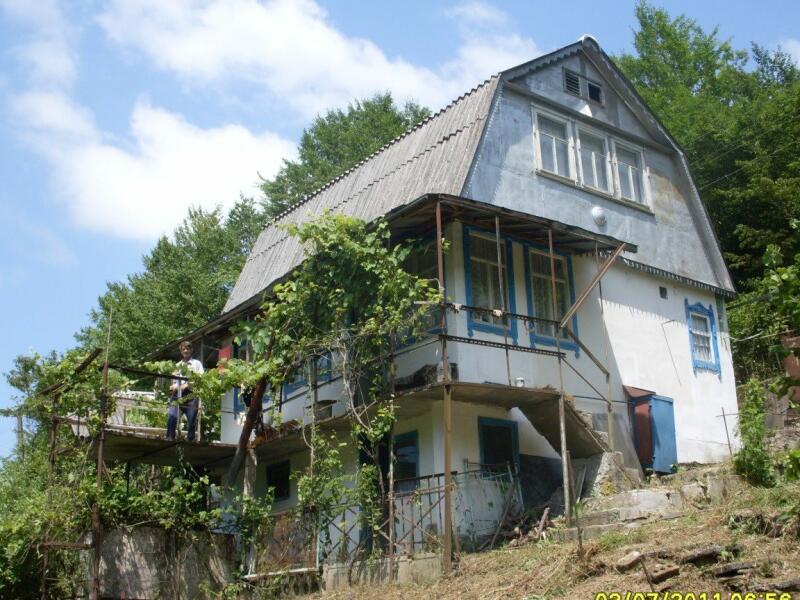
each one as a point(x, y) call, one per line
point(629, 173)
point(499, 444)
point(700, 329)
point(484, 281)
point(572, 82)
point(602, 162)
point(662, 291)
point(594, 161)
point(423, 262)
point(278, 479)
point(578, 85)
point(554, 145)
point(541, 288)
point(595, 92)
point(702, 337)
point(406, 461)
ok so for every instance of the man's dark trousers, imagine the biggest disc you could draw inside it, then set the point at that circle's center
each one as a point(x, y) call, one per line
point(188, 408)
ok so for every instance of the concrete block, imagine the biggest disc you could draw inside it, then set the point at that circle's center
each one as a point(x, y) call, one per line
point(694, 493)
point(627, 562)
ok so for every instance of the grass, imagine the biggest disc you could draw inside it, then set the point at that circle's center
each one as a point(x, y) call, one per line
point(551, 570)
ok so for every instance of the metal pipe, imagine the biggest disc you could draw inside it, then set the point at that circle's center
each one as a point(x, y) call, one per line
point(562, 427)
point(595, 280)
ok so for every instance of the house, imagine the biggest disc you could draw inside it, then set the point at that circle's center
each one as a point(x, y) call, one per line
point(581, 260)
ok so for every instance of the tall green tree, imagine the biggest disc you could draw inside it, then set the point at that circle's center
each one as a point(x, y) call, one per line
point(185, 283)
point(335, 142)
point(737, 125)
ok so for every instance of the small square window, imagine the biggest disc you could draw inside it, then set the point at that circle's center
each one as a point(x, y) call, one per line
point(595, 92)
point(662, 291)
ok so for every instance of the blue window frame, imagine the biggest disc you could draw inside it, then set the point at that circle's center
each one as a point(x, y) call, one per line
point(300, 380)
point(702, 337)
point(539, 294)
point(406, 461)
point(499, 442)
point(480, 277)
point(278, 478)
point(239, 405)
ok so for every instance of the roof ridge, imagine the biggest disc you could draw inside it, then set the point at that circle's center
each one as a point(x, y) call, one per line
point(291, 208)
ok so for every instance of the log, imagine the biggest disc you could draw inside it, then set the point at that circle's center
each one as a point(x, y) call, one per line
point(729, 569)
point(542, 523)
point(701, 555)
point(784, 585)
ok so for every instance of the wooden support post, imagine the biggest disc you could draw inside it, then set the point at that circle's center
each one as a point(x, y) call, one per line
point(562, 427)
point(447, 554)
point(503, 300)
point(447, 551)
point(97, 524)
point(390, 495)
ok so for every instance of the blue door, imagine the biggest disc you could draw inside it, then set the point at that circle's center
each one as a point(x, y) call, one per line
point(662, 419)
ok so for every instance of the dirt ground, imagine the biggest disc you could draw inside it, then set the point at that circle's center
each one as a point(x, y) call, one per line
point(554, 570)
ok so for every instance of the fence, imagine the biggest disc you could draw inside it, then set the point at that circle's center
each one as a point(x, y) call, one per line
point(414, 522)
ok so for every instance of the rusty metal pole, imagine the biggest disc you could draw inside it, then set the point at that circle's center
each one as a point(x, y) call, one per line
point(447, 550)
point(606, 343)
point(390, 495)
point(503, 300)
point(562, 427)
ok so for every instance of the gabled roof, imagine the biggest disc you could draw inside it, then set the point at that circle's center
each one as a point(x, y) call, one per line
point(628, 94)
point(436, 157)
point(433, 157)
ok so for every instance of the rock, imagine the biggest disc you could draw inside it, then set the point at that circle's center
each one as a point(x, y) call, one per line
point(662, 573)
point(627, 562)
point(694, 493)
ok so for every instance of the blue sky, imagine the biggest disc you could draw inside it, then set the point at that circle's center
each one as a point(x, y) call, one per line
point(117, 116)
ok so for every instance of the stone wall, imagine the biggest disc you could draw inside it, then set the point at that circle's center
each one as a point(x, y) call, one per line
point(150, 563)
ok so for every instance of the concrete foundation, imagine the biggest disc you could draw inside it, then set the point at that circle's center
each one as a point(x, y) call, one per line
point(419, 569)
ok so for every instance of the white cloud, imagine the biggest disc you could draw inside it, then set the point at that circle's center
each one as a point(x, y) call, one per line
point(143, 191)
point(141, 186)
point(477, 14)
point(290, 48)
point(52, 115)
point(47, 53)
point(792, 46)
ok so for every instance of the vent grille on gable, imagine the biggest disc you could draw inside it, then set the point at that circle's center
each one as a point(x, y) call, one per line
point(572, 83)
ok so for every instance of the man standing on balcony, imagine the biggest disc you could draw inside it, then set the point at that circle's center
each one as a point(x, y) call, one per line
point(182, 401)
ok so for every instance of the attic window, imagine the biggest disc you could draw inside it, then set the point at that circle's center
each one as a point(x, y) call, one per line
point(578, 85)
point(595, 92)
point(572, 83)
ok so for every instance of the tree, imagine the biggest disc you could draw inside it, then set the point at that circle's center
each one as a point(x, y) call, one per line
point(737, 127)
point(335, 142)
point(185, 283)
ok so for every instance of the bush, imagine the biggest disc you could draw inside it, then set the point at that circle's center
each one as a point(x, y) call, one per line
point(753, 462)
